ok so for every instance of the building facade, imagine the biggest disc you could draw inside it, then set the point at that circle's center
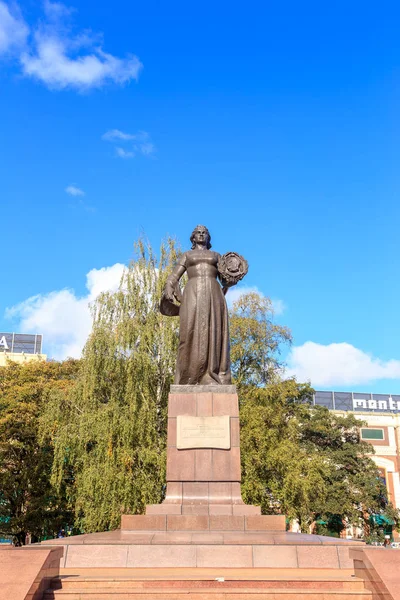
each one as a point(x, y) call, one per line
point(381, 414)
point(20, 347)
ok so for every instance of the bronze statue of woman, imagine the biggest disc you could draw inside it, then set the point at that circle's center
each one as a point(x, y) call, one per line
point(203, 355)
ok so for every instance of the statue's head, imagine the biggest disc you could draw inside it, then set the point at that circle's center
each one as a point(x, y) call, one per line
point(199, 232)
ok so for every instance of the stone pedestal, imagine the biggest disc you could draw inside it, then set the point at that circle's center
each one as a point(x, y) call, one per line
point(203, 483)
point(203, 522)
point(198, 477)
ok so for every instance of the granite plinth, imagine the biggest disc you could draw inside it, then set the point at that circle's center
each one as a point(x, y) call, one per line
point(25, 573)
point(203, 509)
point(208, 583)
point(203, 522)
point(209, 463)
point(227, 549)
point(204, 482)
point(379, 568)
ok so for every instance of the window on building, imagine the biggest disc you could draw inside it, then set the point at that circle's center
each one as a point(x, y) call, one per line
point(382, 475)
point(372, 434)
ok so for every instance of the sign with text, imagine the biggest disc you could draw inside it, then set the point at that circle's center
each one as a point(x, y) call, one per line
point(358, 401)
point(203, 432)
point(372, 404)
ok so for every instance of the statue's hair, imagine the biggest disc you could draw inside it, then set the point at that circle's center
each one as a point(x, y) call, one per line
point(192, 237)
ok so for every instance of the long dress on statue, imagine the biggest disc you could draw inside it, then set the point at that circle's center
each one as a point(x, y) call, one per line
point(203, 355)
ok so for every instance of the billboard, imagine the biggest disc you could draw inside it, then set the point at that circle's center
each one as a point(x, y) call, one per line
point(357, 401)
point(29, 343)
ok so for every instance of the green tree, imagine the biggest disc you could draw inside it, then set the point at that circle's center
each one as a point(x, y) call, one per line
point(256, 341)
point(28, 501)
point(110, 433)
point(306, 461)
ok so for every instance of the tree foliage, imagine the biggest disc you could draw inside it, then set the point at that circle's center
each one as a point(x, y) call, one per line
point(306, 461)
point(111, 435)
point(28, 501)
point(100, 430)
point(256, 341)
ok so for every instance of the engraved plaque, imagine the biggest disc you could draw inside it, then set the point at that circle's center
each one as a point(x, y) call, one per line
point(203, 432)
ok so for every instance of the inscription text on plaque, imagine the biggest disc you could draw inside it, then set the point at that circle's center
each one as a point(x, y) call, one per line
point(203, 432)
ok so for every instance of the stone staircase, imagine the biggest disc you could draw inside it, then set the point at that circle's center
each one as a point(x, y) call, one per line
point(211, 584)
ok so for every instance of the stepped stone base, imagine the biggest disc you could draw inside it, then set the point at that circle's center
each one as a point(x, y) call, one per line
point(207, 522)
point(202, 492)
point(203, 522)
point(203, 509)
point(205, 548)
point(207, 584)
point(379, 568)
point(25, 573)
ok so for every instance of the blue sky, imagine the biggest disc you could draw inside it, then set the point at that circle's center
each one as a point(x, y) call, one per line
point(275, 124)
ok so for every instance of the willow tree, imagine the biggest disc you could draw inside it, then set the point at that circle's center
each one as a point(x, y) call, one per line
point(110, 434)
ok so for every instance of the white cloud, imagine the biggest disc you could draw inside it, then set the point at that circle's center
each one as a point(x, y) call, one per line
point(55, 11)
point(80, 204)
point(61, 316)
point(62, 60)
point(234, 293)
point(140, 143)
point(338, 365)
point(73, 190)
point(54, 67)
point(13, 29)
point(116, 134)
point(147, 148)
point(279, 306)
point(124, 153)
